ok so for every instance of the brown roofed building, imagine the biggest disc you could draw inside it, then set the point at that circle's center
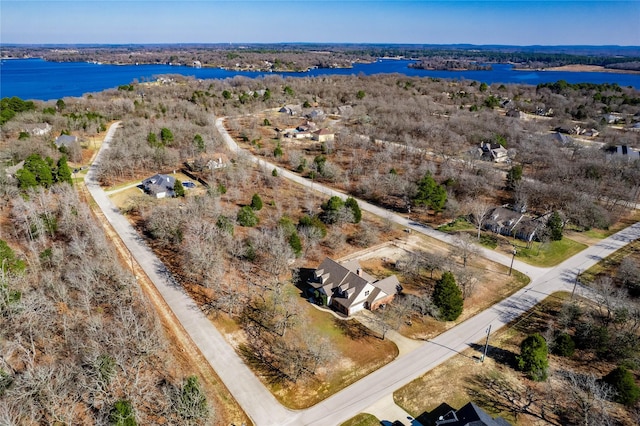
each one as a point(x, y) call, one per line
point(323, 135)
point(348, 289)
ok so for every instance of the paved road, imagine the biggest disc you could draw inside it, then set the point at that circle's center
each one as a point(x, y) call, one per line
point(398, 373)
point(257, 402)
point(254, 398)
point(531, 271)
point(378, 385)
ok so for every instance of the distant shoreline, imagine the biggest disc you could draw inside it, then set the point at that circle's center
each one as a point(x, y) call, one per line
point(581, 68)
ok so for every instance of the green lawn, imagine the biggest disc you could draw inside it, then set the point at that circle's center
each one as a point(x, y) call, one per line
point(460, 224)
point(489, 240)
point(618, 226)
point(549, 254)
point(608, 265)
point(362, 419)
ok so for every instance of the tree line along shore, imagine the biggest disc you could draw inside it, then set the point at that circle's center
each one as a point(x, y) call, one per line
point(299, 58)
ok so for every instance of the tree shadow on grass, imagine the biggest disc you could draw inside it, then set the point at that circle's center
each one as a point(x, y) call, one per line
point(498, 394)
point(352, 329)
point(271, 373)
point(303, 276)
point(499, 355)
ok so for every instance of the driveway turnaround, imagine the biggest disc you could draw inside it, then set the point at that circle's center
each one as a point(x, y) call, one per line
point(257, 402)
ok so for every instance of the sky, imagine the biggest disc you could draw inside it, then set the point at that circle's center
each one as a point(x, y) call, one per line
point(509, 22)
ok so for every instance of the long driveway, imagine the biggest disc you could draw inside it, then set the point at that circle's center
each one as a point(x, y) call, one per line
point(254, 398)
point(257, 402)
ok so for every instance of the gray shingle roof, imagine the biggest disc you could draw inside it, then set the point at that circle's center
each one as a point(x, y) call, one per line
point(65, 140)
point(350, 280)
point(159, 183)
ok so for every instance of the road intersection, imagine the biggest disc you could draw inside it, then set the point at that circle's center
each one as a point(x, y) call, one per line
point(256, 400)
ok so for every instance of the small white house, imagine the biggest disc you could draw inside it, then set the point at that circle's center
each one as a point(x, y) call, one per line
point(323, 135)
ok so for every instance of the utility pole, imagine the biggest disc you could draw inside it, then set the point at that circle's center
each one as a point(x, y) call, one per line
point(486, 344)
point(575, 284)
point(512, 259)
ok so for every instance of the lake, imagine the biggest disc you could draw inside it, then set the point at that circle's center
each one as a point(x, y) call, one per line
point(43, 80)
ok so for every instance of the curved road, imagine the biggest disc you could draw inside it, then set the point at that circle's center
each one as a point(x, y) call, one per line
point(257, 402)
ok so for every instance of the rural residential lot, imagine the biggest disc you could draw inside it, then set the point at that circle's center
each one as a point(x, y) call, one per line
point(220, 252)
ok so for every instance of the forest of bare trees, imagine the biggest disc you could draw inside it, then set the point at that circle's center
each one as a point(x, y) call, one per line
point(80, 342)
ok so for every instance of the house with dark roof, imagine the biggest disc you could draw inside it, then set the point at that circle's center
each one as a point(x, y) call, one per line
point(505, 221)
point(624, 151)
point(470, 415)
point(348, 289)
point(159, 186)
point(291, 110)
point(65, 141)
point(562, 138)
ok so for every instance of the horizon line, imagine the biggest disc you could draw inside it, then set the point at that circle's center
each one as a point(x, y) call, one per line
point(10, 44)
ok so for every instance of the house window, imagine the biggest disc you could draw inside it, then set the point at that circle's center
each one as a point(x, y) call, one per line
point(366, 293)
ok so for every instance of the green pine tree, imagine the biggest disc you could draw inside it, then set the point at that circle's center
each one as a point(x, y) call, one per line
point(198, 141)
point(330, 209)
point(26, 179)
point(295, 243)
point(564, 345)
point(246, 217)
point(514, 176)
point(41, 169)
point(256, 202)
point(178, 189)
point(63, 172)
point(533, 358)
point(166, 135)
point(431, 194)
point(152, 140)
point(355, 208)
point(122, 414)
point(192, 403)
point(555, 226)
point(448, 297)
point(627, 391)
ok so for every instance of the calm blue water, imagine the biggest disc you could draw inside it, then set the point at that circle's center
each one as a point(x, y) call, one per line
point(39, 79)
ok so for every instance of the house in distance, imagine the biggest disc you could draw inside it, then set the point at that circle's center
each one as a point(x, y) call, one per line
point(65, 141)
point(159, 186)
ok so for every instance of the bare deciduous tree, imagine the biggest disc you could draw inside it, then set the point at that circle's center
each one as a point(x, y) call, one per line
point(464, 248)
point(467, 281)
point(479, 212)
point(588, 398)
